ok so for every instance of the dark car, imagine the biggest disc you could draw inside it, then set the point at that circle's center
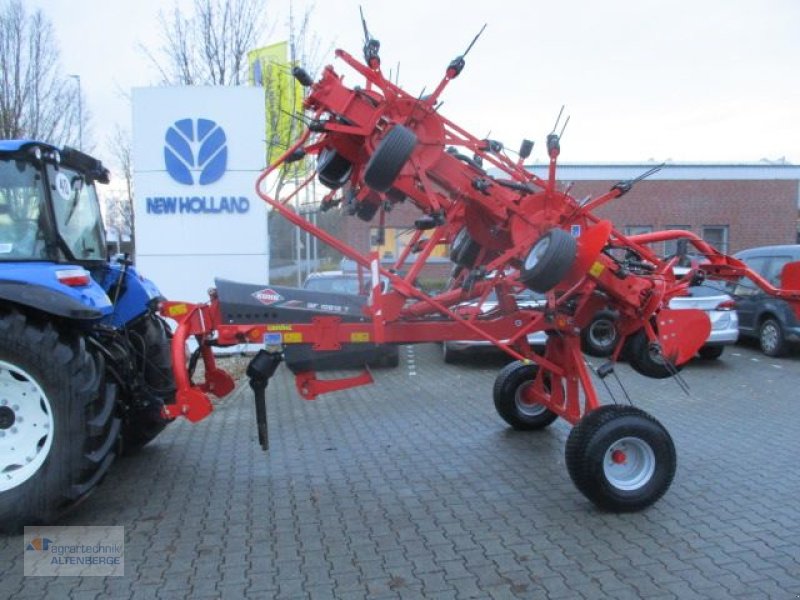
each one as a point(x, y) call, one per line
point(761, 316)
point(347, 283)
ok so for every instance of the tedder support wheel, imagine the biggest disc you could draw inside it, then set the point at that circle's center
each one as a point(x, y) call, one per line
point(464, 250)
point(141, 425)
point(711, 352)
point(548, 260)
point(58, 423)
point(599, 337)
point(333, 169)
point(509, 398)
point(620, 458)
point(771, 338)
point(389, 157)
point(645, 359)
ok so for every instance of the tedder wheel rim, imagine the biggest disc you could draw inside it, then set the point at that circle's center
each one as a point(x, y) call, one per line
point(26, 426)
point(527, 409)
point(629, 463)
point(537, 252)
point(769, 336)
point(603, 333)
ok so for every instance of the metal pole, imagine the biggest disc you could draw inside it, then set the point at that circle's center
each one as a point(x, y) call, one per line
point(77, 78)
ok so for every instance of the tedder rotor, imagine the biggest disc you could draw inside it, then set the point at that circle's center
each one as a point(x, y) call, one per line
point(507, 230)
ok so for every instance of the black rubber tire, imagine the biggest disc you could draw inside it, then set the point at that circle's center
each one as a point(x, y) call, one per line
point(711, 352)
point(509, 382)
point(600, 337)
point(366, 210)
point(333, 169)
point(588, 456)
point(450, 356)
point(85, 426)
point(548, 260)
point(389, 359)
point(389, 157)
point(141, 425)
point(643, 361)
point(464, 250)
point(771, 338)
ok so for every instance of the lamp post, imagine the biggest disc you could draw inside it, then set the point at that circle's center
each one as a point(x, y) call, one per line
point(77, 78)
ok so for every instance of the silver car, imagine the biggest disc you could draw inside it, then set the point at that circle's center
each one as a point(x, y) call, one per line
point(719, 307)
point(599, 337)
point(454, 349)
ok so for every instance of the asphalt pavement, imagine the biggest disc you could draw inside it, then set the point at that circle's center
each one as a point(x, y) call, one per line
point(414, 487)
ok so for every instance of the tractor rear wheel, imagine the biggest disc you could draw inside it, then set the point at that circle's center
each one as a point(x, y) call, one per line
point(142, 424)
point(620, 458)
point(58, 422)
point(548, 260)
point(509, 398)
point(389, 157)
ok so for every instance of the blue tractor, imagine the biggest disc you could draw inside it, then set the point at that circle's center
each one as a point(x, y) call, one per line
point(85, 366)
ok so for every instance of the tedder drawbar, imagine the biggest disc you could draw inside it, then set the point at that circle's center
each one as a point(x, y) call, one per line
point(507, 230)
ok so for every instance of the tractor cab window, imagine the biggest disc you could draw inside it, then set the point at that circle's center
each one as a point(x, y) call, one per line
point(77, 213)
point(22, 236)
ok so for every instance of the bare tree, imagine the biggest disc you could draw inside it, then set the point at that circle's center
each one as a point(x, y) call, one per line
point(36, 101)
point(119, 212)
point(210, 46)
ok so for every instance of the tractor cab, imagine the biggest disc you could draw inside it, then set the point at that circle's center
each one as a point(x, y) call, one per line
point(49, 210)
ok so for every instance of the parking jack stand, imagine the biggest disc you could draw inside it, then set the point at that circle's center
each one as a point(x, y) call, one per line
point(260, 369)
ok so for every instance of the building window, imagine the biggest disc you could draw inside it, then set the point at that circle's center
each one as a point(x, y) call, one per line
point(637, 229)
point(671, 246)
point(717, 236)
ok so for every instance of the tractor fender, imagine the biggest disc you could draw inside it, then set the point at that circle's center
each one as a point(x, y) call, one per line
point(133, 297)
point(37, 285)
point(47, 301)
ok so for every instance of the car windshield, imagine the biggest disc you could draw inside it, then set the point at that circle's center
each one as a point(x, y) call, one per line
point(22, 234)
point(703, 291)
point(335, 284)
point(77, 213)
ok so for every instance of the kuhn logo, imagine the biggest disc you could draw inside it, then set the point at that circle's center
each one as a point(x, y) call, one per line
point(267, 296)
point(195, 149)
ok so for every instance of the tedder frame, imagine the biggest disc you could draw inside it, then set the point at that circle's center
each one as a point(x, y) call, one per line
point(507, 230)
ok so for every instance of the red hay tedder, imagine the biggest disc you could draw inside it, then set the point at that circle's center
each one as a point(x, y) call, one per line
point(507, 230)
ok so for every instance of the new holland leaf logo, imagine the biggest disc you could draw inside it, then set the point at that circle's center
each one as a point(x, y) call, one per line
point(195, 149)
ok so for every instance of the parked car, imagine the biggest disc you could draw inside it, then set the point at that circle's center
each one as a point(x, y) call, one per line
point(768, 319)
point(455, 349)
point(337, 282)
point(347, 283)
point(599, 338)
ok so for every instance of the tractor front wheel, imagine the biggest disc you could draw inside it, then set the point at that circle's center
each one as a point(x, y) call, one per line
point(620, 458)
point(58, 422)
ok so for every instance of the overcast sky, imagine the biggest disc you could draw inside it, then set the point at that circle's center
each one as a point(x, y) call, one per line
point(680, 80)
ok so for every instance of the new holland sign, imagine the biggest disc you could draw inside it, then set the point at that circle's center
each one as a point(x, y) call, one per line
point(197, 152)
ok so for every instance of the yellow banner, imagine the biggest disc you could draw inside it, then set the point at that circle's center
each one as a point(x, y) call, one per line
point(283, 96)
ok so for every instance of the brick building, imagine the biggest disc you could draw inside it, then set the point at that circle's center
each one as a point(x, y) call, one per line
point(732, 206)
